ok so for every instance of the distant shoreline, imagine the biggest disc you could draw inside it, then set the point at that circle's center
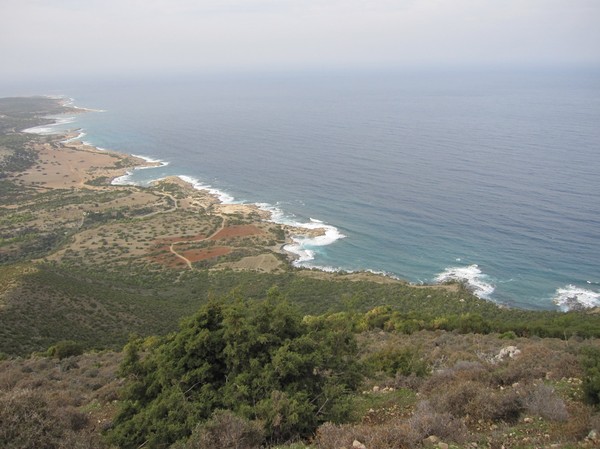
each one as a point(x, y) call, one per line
point(96, 163)
point(297, 235)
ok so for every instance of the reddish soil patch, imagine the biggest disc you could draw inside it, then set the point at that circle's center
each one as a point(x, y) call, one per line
point(194, 255)
point(236, 231)
point(169, 260)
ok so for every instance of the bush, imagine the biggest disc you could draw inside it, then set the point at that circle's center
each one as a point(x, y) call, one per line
point(397, 433)
point(509, 335)
point(475, 400)
point(543, 401)
point(425, 421)
point(28, 421)
point(393, 361)
point(66, 348)
point(224, 430)
point(392, 435)
point(257, 359)
point(591, 379)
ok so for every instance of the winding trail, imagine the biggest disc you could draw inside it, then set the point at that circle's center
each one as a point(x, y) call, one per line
point(185, 259)
point(168, 211)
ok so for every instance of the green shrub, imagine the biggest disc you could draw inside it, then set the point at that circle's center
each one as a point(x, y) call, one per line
point(393, 361)
point(66, 348)
point(591, 379)
point(257, 359)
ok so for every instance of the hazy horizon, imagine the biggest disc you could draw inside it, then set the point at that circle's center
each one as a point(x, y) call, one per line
point(67, 39)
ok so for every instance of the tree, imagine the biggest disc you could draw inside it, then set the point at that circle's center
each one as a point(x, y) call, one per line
point(257, 359)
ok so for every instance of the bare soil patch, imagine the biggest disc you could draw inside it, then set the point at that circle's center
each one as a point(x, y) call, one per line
point(195, 255)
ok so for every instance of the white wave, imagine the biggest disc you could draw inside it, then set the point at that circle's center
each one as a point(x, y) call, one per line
point(472, 276)
point(124, 180)
point(225, 198)
point(384, 273)
point(50, 127)
point(127, 178)
point(150, 160)
point(305, 247)
point(576, 298)
point(77, 137)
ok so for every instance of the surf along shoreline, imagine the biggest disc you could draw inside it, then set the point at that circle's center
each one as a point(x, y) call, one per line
point(66, 161)
point(98, 168)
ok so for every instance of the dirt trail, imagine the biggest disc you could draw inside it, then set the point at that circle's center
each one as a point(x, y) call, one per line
point(185, 259)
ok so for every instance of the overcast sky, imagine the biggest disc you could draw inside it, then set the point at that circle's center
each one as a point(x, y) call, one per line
point(49, 37)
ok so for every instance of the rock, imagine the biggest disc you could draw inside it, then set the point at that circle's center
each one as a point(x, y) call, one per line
point(358, 445)
point(375, 389)
point(431, 441)
point(507, 352)
point(593, 435)
point(442, 445)
point(527, 420)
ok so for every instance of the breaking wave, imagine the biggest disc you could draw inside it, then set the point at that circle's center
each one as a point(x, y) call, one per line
point(576, 298)
point(472, 276)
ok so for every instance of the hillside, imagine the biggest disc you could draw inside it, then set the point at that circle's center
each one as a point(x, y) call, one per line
point(86, 266)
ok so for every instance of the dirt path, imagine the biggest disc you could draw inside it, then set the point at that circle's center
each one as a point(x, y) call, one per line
point(185, 259)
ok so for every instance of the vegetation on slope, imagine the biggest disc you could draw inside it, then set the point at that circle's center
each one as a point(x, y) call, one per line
point(256, 359)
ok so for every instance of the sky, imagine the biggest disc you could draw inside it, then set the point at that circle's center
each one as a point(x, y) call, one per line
point(45, 38)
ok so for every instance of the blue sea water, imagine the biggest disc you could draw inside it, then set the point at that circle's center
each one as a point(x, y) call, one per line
point(488, 177)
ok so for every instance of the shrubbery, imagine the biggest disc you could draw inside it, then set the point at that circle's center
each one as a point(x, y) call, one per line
point(256, 359)
point(28, 421)
point(591, 380)
point(65, 348)
point(394, 361)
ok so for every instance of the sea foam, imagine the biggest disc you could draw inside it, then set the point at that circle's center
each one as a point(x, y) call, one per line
point(225, 198)
point(472, 276)
point(304, 247)
point(127, 178)
point(77, 137)
point(151, 160)
point(50, 128)
point(576, 298)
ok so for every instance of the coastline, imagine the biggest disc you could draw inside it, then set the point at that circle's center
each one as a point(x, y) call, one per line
point(65, 161)
point(300, 238)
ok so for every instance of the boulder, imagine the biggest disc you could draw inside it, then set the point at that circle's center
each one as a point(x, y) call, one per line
point(507, 352)
point(358, 445)
point(431, 441)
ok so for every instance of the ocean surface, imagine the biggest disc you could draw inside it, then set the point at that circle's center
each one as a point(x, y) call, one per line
point(488, 177)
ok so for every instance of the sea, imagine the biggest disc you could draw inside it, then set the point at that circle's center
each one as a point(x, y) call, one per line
point(488, 177)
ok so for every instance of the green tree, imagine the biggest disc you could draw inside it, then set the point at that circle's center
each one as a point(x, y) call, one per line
point(258, 359)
